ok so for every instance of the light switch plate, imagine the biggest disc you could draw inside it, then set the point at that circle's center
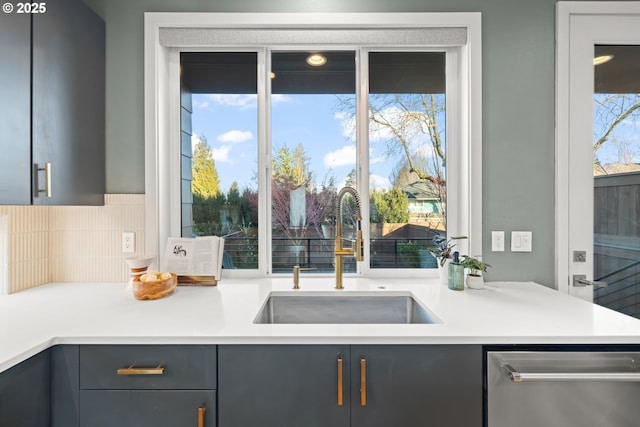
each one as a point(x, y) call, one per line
point(521, 241)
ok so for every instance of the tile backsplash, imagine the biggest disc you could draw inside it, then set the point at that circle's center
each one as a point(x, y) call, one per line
point(42, 244)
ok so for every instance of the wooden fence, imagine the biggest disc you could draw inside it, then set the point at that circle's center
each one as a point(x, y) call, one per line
point(617, 241)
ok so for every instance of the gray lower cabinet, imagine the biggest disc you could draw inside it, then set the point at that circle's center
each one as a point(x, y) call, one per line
point(375, 385)
point(136, 408)
point(65, 385)
point(154, 385)
point(245, 385)
point(416, 385)
point(133, 385)
point(283, 385)
point(24, 393)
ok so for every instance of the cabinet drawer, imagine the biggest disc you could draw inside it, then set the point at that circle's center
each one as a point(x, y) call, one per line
point(135, 408)
point(180, 367)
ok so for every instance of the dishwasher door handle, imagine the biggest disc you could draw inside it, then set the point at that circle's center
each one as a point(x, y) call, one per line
point(519, 377)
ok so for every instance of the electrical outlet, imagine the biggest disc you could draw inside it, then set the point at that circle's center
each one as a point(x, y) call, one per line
point(497, 241)
point(128, 242)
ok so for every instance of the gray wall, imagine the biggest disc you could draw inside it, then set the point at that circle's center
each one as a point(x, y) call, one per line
point(518, 107)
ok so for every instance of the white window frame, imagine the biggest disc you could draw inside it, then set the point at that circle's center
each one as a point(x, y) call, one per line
point(454, 146)
point(162, 119)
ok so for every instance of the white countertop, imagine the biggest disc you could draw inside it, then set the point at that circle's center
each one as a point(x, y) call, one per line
point(107, 313)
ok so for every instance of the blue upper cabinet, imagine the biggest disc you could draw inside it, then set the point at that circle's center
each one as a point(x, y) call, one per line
point(52, 137)
point(15, 109)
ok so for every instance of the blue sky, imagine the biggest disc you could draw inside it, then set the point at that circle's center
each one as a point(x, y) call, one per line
point(623, 144)
point(229, 123)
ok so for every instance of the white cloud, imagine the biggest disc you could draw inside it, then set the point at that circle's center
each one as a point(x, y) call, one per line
point(348, 125)
point(341, 157)
point(221, 154)
point(235, 136)
point(375, 160)
point(280, 99)
point(425, 151)
point(377, 181)
point(240, 101)
point(377, 132)
point(194, 141)
point(200, 105)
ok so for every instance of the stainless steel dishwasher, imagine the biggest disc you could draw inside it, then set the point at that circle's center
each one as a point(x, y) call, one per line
point(563, 389)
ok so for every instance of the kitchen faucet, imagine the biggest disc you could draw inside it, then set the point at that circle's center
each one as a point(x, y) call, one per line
point(358, 247)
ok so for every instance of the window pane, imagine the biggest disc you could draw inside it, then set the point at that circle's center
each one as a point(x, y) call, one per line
point(219, 151)
point(407, 150)
point(616, 170)
point(313, 156)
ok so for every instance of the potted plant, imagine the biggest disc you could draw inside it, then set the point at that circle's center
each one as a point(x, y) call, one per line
point(443, 251)
point(476, 268)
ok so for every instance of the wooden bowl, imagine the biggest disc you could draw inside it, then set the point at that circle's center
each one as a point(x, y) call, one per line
point(154, 290)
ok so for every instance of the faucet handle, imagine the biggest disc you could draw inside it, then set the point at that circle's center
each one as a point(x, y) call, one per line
point(296, 275)
point(359, 247)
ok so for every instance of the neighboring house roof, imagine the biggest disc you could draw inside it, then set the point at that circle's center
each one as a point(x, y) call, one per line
point(421, 190)
point(615, 168)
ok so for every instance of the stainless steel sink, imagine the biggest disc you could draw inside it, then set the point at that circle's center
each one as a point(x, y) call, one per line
point(344, 307)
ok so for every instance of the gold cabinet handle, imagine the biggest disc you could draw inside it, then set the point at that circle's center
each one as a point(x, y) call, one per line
point(201, 411)
point(340, 387)
point(363, 381)
point(132, 370)
point(47, 179)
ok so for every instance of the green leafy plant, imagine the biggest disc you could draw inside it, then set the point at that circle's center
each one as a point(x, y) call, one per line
point(475, 266)
point(444, 247)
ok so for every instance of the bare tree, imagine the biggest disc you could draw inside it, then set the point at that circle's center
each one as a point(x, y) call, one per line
point(406, 116)
point(404, 121)
point(612, 110)
point(411, 126)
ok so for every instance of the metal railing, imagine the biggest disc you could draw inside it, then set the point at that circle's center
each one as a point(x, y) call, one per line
point(622, 291)
point(318, 252)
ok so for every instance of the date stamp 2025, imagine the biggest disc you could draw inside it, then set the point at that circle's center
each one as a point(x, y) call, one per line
point(29, 8)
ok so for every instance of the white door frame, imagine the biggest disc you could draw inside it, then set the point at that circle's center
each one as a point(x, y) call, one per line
point(580, 25)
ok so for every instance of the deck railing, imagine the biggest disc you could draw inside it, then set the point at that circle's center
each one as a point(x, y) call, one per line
point(617, 241)
point(318, 253)
point(622, 291)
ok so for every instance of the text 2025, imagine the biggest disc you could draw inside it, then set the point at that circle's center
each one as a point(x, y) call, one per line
point(31, 7)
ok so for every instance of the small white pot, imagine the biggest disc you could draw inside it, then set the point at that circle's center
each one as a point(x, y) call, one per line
point(475, 282)
point(443, 271)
